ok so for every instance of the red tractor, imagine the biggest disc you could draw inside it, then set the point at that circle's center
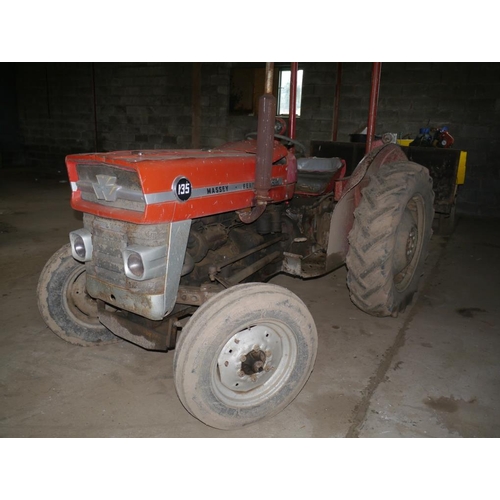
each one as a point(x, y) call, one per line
point(181, 244)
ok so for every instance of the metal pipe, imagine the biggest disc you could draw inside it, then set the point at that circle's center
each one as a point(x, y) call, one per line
point(336, 105)
point(293, 100)
point(188, 265)
point(265, 146)
point(268, 84)
point(372, 112)
point(256, 266)
point(248, 252)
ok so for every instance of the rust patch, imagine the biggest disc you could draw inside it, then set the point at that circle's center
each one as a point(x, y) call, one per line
point(470, 312)
point(397, 366)
point(447, 405)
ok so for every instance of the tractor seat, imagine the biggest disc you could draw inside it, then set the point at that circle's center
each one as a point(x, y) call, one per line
point(314, 175)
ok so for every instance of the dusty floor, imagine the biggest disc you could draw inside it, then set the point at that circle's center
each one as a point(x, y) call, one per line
point(432, 372)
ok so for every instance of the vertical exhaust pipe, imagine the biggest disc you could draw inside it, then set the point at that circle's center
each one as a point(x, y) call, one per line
point(293, 100)
point(265, 144)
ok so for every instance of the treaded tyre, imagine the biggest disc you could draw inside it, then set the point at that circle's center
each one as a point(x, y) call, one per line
point(390, 237)
point(64, 304)
point(244, 355)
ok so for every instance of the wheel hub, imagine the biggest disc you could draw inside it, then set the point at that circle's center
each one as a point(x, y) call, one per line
point(79, 303)
point(253, 362)
point(249, 358)
point(408, 243)
point(411, 244)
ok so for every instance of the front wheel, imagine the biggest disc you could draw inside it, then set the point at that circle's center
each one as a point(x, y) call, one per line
point(65, 305)
point(390, 238)
point(244, 355)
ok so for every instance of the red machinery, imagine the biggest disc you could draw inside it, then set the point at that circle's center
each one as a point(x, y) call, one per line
point(180, 243)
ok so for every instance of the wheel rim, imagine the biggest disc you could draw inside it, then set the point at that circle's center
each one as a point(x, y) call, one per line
point(77, 302)
point(409, 242)
point(254, 364)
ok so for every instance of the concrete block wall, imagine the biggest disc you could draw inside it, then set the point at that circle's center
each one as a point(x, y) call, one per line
point(11, 142)
point(54, 110)
point(143, 105)
point(214, 103)
point(149, 105)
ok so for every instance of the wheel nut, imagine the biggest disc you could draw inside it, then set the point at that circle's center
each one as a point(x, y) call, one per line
point(243, 358)
point(257, 366)
point(241, 373)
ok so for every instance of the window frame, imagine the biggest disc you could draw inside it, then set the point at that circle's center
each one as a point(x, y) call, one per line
point(300, 83)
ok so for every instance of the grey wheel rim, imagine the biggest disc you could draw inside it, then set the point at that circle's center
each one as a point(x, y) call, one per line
point(78, 304)
point(254, 364)
point(409, 242)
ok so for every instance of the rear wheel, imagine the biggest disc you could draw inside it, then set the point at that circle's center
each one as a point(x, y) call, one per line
point(244, 355)
point(65, 305)
point(389, 240)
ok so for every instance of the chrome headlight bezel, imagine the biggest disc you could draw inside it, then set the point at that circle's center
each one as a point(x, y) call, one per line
point(77, 238)
point(153, 261)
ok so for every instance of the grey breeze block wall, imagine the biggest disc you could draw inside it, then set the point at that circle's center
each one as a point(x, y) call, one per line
point(148, 105)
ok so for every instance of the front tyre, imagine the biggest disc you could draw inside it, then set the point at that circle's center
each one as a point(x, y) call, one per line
point(64, 304)
point(244, 355)
point(390, 238)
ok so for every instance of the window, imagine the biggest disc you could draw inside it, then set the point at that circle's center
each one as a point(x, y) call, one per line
point(284, 92)
point(247, 86)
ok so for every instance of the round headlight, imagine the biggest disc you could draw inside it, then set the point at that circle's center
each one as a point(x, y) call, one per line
point(79, 247)
point(135, 264)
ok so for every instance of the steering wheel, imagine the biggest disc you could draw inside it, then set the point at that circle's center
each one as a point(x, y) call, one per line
point(289, 142)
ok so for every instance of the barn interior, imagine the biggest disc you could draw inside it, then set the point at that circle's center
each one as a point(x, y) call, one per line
point(433, 371)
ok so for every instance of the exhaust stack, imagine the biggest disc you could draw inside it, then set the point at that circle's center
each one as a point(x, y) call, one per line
point(265, 142)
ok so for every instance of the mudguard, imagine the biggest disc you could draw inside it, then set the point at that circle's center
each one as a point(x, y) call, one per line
point(343, 213)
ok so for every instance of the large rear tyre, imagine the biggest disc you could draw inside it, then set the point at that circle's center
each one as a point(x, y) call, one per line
point(64, 304)
point(244, 355)
point(390, 237)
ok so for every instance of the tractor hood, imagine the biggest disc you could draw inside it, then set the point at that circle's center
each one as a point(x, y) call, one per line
point(157, 186)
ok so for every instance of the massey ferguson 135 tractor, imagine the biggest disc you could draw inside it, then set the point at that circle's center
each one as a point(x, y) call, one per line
point(177, 246)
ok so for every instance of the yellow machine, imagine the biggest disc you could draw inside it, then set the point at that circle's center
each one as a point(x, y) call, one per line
point(462, 162)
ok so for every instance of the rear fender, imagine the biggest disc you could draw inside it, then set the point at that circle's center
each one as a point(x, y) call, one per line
point(343, 213)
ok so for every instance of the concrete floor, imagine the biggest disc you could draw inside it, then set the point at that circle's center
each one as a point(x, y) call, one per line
point(432, 372)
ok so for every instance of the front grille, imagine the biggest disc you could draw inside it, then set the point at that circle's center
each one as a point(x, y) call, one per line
point(110, 186)
point(109, 238)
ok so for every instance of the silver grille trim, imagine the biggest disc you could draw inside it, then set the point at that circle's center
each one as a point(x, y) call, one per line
point(116, 187)
point(122, 193)
point(106, 278)
point(110, 186)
